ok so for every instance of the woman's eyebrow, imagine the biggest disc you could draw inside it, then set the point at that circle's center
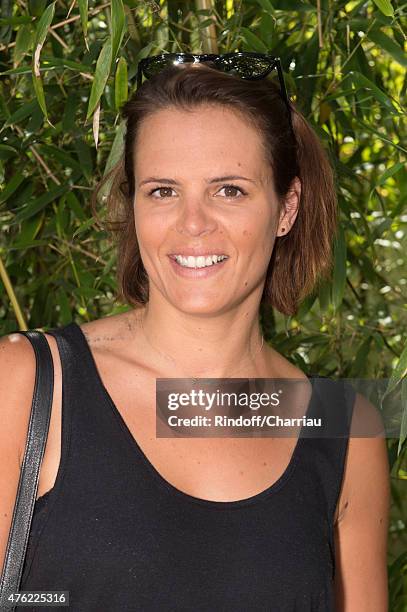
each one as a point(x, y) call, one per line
point(217, 179)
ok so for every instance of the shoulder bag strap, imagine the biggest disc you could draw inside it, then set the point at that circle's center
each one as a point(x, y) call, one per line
point(29, 474)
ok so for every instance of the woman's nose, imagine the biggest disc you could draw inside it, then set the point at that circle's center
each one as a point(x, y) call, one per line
point(195, 218)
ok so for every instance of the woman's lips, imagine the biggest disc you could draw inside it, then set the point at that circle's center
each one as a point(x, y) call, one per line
point(196, 272)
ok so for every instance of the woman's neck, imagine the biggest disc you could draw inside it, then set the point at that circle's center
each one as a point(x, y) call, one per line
point(189, 346)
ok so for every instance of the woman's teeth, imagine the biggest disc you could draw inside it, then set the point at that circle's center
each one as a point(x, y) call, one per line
point(199, 262)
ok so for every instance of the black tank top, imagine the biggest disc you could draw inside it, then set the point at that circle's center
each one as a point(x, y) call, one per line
point(116, 535)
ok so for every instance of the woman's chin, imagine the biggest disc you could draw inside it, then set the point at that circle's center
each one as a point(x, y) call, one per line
point(193, 303)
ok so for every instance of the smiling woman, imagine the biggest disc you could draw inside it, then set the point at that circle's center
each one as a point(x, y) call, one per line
point(221, 201)
point(212, 129)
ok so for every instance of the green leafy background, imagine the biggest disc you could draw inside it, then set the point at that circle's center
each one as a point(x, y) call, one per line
point(66, 69)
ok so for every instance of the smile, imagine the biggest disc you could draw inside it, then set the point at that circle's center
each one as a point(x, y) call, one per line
point(194, 267)
point(199, 262)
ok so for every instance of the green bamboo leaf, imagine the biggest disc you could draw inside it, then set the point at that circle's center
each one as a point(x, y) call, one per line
point(7, 149)
point(399, 372)
point(13, 184)
point(403, 426)
point(86, 292)
point(84, 154)
point(4, 110)
point(121, 86)
point(101, 75)
point(380, 136)
point(22, 70)
point(324, 295)
point(69, 117)
point(23, 19)
point(24, 111)
point(306, 305)
point(22, 195)
point(109, 265)
point(267, 6)
point(40, 35)
point(53, 62)
point(24, 41)
point(28, 245)
point(360, 80)
point(253, 41)
point(118, 26)
point(385, 7)
point(116, 148)
point(34, 206)
point(39, 92)
point(389, 172)
point(36, 121)
point(400, 564)
point(381, 228)
point(64, 306)
point(361, 357)
point(43, 25)
point(116, 151)
point(75, 205)
point(399, 207)
point(83, 227)
point(28, 233)
point(389, 45)
point(339, 274)
point(59, 155)
point(205, 23)
point(267, 28)
point(62, 218)
point(83, 11)
point(37, 7)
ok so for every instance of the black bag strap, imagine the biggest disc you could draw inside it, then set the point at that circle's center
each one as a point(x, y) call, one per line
point(30, 469)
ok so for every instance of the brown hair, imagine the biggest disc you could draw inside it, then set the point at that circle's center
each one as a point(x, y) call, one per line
point(300, 258)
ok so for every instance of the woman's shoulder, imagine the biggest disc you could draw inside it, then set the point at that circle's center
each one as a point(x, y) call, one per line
point(111, 331)
point(366, 464)
point(115, 344)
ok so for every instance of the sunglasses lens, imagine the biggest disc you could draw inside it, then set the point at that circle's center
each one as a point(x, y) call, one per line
point(245, 67)
point(156, 64)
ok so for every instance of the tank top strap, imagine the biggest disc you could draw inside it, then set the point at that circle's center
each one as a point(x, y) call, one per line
point(80, 395)
point(79, 371)
point(333, 403)
point(88, 418)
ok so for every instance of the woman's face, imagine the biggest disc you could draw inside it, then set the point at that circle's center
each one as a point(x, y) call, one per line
point(204, 189)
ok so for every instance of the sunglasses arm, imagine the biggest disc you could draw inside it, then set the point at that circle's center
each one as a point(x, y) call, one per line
point(139, 75)
point(282, 84)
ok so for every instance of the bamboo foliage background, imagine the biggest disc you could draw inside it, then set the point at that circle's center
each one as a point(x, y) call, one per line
point(66, 69)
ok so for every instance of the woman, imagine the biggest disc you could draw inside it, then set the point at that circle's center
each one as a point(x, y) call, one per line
point(128, 521)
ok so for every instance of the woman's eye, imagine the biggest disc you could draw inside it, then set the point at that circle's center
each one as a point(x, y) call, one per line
point(230, 192)
point(160, 189)
point(230, 189)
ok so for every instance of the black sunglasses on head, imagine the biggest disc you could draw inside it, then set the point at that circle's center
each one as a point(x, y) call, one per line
point(244, 64)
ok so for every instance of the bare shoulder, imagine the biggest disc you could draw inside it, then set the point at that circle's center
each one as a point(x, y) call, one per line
point(367, 453)
point(108, 332)
point(17, 379)
point(14, 345)
point(366, 476)
point(361, 532)
point(367, 421)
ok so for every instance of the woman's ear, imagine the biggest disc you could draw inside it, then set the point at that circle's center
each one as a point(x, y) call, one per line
point(290, 208)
